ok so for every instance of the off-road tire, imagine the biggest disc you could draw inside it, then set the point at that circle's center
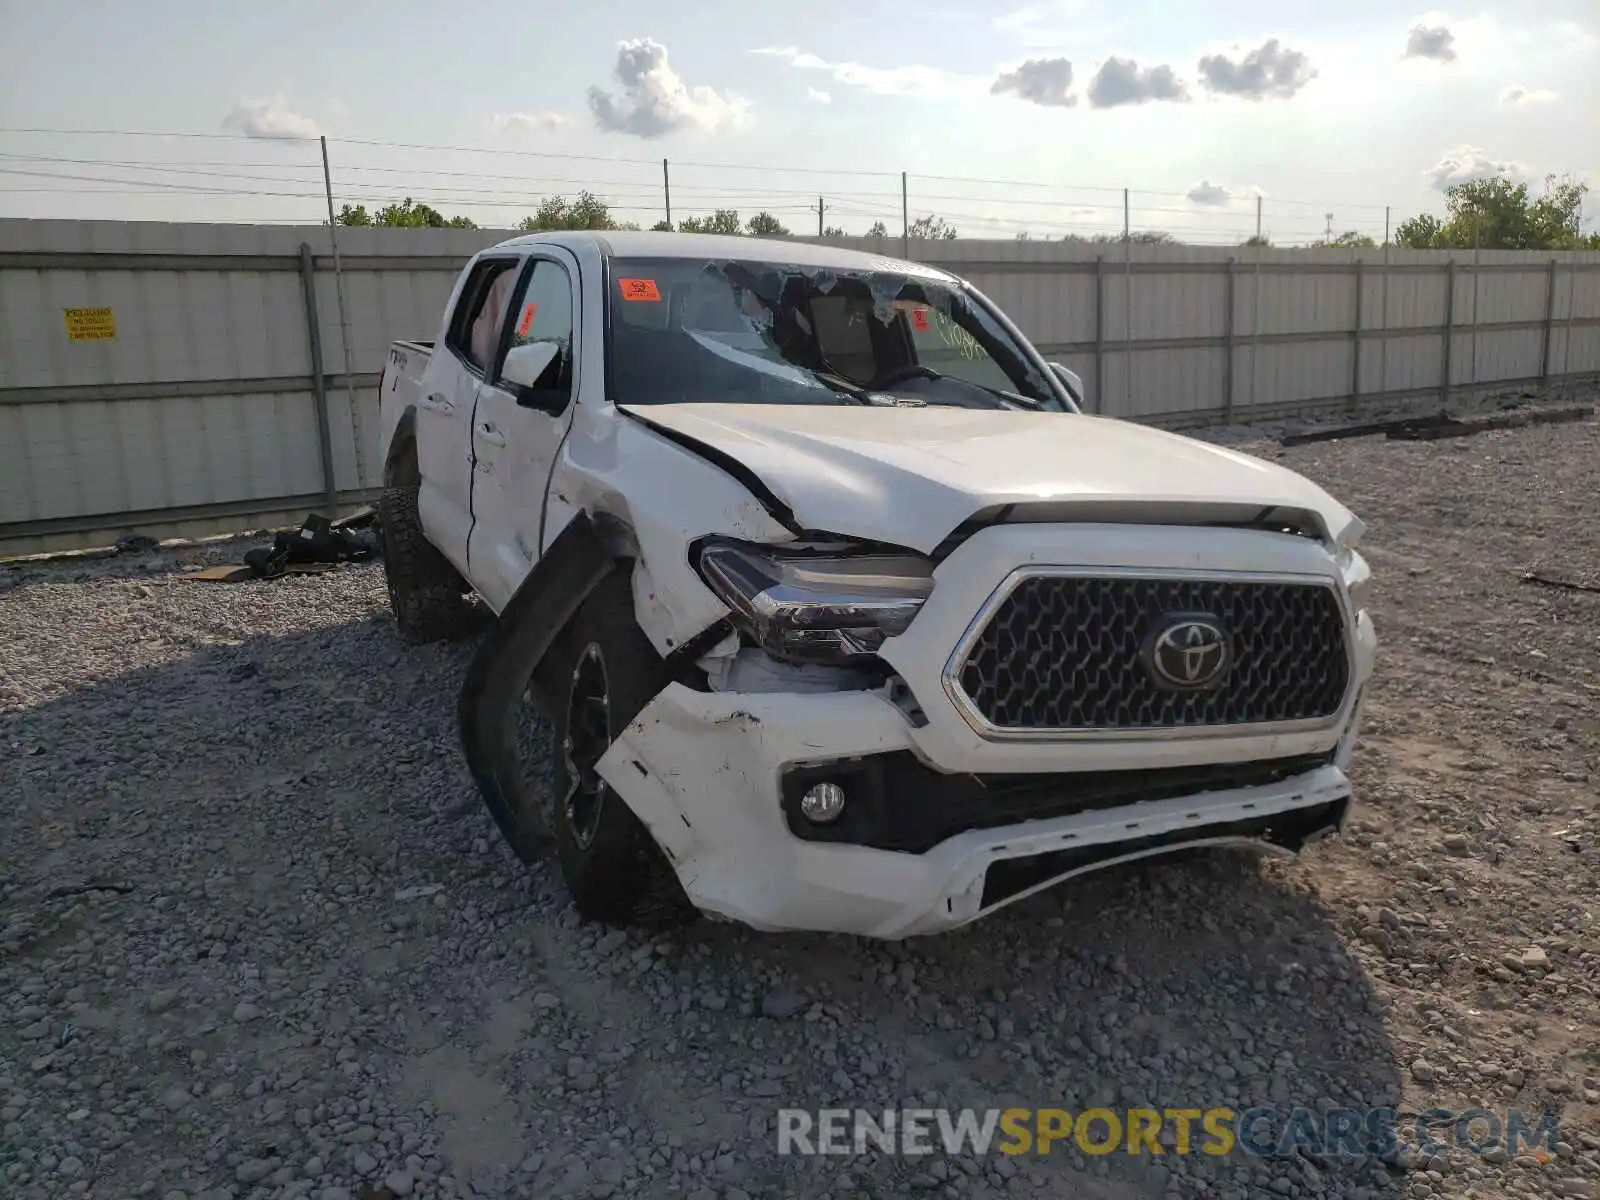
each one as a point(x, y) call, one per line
point(425, 590)
point(619, 875)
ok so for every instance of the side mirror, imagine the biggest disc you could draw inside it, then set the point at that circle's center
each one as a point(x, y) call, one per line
point(1070, 380)
point(525, 364)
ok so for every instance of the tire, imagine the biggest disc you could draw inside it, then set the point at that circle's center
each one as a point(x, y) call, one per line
point(605, 671)
point(425, 590)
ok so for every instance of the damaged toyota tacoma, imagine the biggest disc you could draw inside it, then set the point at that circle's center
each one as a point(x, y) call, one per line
point(842, 615)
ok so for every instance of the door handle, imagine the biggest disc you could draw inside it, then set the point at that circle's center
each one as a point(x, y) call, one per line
point(489, 435)
point(438, 402)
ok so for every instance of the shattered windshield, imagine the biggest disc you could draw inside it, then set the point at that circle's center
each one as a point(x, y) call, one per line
point(687, 330)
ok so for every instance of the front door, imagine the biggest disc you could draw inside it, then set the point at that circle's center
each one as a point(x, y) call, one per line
point(515, 446)
point(449, 387)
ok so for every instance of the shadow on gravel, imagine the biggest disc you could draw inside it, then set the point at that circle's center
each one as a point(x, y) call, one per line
point(326, 763)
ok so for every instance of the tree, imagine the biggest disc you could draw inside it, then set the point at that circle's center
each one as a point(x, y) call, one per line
point(1500, 214)
point(724, 220)
point(879, 229)
point(834, 231)
point(661, 227)
point(588, 211)
point(1349, 240)
point(764, 224)
point(1256, 240)
point(407, 215)
point(933, 228)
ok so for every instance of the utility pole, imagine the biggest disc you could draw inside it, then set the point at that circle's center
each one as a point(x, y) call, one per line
point(666, 191)
point(1328, 232)
point(821, 208)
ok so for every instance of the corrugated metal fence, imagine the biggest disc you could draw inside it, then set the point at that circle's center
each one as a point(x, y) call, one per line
point(219, 392)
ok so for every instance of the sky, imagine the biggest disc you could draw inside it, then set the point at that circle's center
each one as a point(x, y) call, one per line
point(1007, 116)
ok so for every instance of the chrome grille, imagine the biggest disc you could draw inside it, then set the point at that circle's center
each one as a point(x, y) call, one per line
point(1064, 652)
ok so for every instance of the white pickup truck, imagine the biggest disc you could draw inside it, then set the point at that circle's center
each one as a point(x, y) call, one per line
point(843, 614)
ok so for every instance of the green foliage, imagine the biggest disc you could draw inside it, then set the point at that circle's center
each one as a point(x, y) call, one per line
point(879, 229)
point(1256, 240)
point(1499, 214)
point(932, 228)
point(1349, 240)
point(408, 215)
point(724, 221)
point(764, 224)
point(661, 227)
point(588, 211)
point(834, 231)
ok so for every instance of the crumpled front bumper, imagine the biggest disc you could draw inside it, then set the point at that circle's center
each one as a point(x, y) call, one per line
point(702, 771)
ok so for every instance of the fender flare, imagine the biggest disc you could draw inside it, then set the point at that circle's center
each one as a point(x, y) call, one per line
point(502, 672)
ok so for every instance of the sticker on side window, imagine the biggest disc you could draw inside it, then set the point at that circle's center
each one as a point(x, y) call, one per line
point(639, 289)
point(919, 314)
point(526, 323)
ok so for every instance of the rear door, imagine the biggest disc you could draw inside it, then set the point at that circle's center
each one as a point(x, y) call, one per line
point(515, 446)
point(448, 396)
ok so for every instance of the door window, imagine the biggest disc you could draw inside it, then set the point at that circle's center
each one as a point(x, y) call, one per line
point(480, 313)
point(543, 313)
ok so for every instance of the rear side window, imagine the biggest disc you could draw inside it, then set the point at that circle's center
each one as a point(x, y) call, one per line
point(480, 313)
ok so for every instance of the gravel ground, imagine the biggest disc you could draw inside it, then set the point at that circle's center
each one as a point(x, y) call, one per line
point(258, 937)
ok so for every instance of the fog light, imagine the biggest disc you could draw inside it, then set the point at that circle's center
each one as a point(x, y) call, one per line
point(822, 803)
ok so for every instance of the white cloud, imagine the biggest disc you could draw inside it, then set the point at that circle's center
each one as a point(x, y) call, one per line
point(1466, 163)
point(1043, 81)
point(1122, 81)
point(1517, 96)
point(1214, 195)
point(1431, 41)
point(270, 119)
point(1270, 71)
point(523, 122)
point(655, 101)
point(1052, 24)
point(818, 97)
point(923, 82)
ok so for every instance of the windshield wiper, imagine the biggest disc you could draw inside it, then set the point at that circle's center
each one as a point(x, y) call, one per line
point(921, 372)
point(843, 386)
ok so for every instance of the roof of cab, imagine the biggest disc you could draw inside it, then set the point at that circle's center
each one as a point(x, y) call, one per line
point(629, 243)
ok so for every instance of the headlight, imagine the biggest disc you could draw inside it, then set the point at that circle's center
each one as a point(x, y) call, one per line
point(1357, 576)
point(817, 606)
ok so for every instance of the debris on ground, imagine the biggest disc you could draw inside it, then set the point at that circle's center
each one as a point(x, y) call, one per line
point(318, 546)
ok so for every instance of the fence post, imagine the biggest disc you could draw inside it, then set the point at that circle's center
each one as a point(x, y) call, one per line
point(356, 436)
point(1099, 405)
point(319, 379)
point(1549, 321)
point(1127, 310)
point(905, 219)
point(1449, 329)
point(1355, 364)
point(1227, 341)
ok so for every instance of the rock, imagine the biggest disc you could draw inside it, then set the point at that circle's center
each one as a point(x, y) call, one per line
point(1423, 1072)
point(245, 1011)
point(399, 1182)
point(70, 1167)
point(715, 1001)
point(782, 1003)
point(312, 1167)
point(160, 1002)
point(253, 1170)
point(1534, 959)
point(1457, 844)
point(175, 1099)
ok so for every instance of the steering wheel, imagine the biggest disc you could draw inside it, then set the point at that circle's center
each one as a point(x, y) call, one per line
point(902, 374)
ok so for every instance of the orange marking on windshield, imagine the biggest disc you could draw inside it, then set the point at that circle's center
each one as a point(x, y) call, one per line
point(639, 289)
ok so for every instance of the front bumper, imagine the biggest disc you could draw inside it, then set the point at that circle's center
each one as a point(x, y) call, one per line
point(707, 772)
point(703, 772)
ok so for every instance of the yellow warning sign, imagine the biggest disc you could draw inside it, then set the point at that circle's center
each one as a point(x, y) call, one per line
point(91, 324)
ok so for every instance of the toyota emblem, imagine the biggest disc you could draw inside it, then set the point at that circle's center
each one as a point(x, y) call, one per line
point(1188, 652)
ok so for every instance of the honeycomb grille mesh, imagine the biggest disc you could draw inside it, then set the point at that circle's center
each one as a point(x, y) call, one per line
point(1065, 653)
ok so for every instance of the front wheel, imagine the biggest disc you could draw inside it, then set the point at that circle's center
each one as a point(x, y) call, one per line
point(605, 671)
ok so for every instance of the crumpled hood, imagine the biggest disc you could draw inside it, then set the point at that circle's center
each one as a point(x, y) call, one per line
point(909, 476)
